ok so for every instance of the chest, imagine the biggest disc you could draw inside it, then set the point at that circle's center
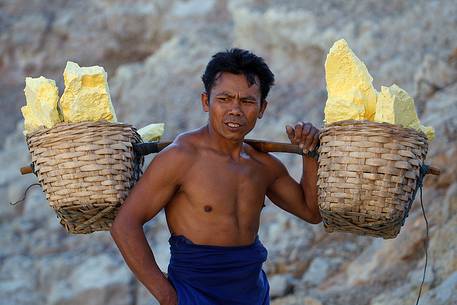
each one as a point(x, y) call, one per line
point(226, 185)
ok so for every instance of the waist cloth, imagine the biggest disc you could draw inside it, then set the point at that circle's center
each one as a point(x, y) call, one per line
point(218, 275)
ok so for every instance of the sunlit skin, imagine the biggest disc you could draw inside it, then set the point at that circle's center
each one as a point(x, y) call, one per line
point(212, 185)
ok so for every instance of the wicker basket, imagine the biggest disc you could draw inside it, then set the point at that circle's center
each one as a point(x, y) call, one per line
point(367, 176)
point(86, 170)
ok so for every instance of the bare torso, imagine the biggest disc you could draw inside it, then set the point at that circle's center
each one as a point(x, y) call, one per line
point(219, 199)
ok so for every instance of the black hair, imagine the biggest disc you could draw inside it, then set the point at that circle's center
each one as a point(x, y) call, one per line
point(239, 61)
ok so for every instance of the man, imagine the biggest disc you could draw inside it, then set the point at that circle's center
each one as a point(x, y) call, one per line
point(212, 187)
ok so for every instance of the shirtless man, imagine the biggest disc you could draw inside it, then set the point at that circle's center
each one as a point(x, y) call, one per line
point(212, 187)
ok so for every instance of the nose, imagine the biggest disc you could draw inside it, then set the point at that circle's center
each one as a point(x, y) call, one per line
point(235, 108)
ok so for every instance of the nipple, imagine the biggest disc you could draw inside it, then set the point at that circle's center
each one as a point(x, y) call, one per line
point(207, 208)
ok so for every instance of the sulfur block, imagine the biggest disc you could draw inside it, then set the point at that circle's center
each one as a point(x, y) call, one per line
point(396, 106)
point(86, 96)
point(41, 109)
point(152, 132)
point(351, 94)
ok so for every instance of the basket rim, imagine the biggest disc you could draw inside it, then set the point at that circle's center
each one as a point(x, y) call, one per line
point(343, 123)
point(41, 130)
point(371, 123)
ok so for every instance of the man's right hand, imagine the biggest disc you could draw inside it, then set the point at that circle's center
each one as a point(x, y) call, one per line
point(169, 297)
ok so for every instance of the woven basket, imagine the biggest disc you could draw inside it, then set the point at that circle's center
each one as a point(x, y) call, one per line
point(367, 176)
point(86, 170)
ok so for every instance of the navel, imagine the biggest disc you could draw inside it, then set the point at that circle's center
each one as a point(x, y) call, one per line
point(207, 208)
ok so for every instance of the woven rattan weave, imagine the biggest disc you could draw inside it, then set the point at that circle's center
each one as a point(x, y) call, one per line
point(367, 176)
point(86, 170)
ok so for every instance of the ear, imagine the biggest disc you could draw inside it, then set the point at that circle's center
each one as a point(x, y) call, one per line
point(205, 101)
point(263, 106)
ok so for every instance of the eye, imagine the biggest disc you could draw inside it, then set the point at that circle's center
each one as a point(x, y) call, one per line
point(222, 98)
point(249, 101)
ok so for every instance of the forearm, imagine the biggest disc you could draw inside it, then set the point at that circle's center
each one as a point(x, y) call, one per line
point(132, 243)
point(309, 186)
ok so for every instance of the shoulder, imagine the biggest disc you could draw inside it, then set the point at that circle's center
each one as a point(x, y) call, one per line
point(182, 149)
point(182, 152)
point(268, 161)
point(169, 165)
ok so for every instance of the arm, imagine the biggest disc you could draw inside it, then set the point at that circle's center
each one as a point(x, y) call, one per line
point(151, 193)
point(299, 199)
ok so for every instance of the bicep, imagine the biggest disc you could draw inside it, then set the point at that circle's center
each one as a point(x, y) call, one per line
point(287, 193)
point(155, 188)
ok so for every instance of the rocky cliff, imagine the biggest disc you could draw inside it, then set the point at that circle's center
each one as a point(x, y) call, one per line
point(155, 52)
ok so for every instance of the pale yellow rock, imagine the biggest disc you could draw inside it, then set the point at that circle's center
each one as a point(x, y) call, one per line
point(42, 98)
point(349, 85)
point(152, 132)
point(429, 131)
point(396, 106)
point(339, 110)
point(86, 96)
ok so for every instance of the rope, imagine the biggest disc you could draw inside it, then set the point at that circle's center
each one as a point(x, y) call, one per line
point(419, 184)
point(25, 194)
point(426, 240)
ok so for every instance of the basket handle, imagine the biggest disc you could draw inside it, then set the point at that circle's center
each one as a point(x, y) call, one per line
point(263, 146)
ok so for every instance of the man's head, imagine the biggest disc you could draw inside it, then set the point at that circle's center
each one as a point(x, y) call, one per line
point(237, 83)
point(242, 62)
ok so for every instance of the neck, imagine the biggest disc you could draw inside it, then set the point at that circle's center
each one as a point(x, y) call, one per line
point(231, 148)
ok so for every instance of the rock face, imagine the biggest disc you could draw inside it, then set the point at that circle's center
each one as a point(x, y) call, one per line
point(154, 53)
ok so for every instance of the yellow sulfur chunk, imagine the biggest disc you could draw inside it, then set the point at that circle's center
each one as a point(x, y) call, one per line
point(152, 132)
point(86, 95)
point(349, 85)
point(396, 106)
point(429, 131)
point(41, 110)
point(339, 110)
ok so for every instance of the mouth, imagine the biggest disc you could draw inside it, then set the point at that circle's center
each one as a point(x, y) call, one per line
point(233, 125)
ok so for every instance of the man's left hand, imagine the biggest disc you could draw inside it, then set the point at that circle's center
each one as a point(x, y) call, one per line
point(303, 134)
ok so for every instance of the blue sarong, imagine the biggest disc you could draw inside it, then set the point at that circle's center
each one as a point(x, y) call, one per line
point(218, 275)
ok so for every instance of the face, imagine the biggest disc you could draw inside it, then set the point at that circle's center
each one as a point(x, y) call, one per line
point(234, 106)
